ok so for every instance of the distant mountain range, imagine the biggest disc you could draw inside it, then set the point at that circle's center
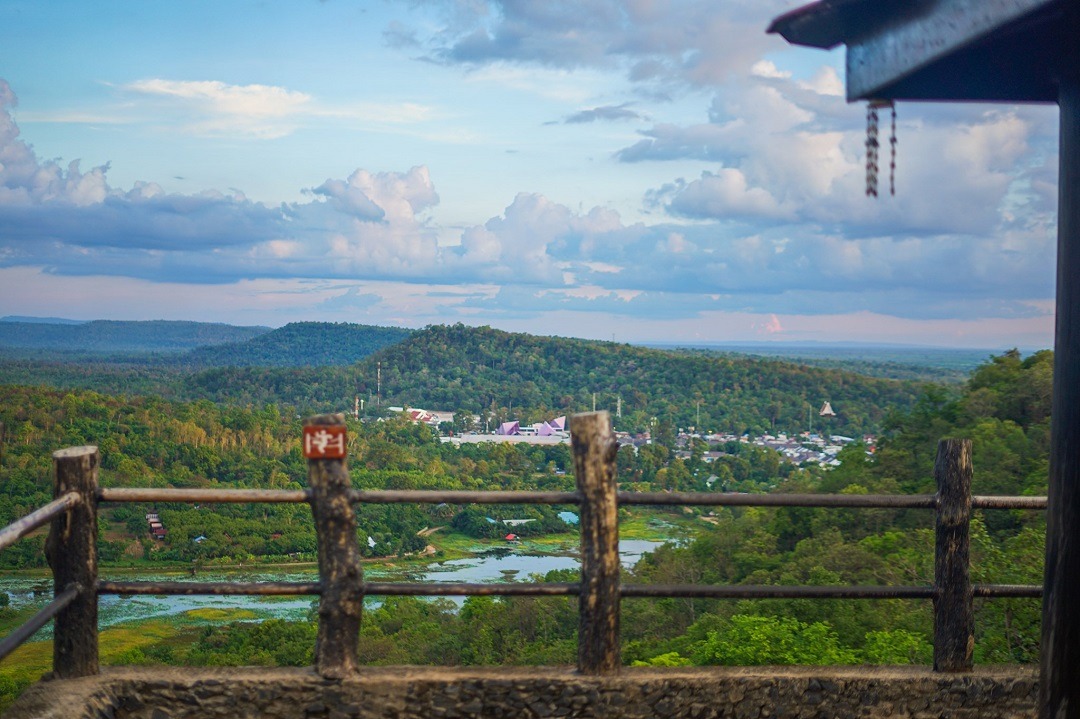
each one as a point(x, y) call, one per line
point(315, 366)
point(195, 344)
point(112, 336)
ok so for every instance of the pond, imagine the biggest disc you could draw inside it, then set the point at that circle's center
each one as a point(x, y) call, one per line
point(501, 564)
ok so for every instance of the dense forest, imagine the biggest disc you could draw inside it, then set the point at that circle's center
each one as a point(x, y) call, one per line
point(495, 374)
point(1004, 407)
point(300, 344)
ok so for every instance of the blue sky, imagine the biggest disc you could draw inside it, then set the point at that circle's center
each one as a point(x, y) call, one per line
point(648, 171)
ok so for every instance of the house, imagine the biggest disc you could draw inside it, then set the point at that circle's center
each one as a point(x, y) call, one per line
point(509, 428)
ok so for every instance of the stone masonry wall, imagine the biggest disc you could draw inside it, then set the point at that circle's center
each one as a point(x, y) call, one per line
point(523, 692)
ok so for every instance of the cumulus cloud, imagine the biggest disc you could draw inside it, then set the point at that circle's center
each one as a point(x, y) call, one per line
point(791, 150)
point(807, 245)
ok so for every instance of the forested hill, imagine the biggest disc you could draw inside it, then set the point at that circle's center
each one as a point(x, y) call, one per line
point(529, 378)
point(301, 344)
point(111, 336)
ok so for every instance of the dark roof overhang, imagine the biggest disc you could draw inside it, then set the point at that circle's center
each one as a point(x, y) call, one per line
point(977, 50)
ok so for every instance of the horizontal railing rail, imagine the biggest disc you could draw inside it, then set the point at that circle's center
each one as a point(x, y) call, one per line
point(22, 527)
point(47, 613)
point(456, 496)
point(341, 586)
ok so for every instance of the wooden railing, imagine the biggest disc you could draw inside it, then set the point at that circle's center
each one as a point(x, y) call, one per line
point(72, 553)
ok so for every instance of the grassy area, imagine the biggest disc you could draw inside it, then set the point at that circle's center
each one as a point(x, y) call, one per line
point(655, 525)
point(116, 645)
point(214, 614)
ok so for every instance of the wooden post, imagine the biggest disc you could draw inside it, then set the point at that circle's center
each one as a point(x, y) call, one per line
point(342, 601)
point(954, 613)
point(594, 448)
point(1059, 690)
point(71, 549)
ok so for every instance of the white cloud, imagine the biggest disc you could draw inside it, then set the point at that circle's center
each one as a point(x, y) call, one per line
point(219, 97)
point(808, 244)
point(214, 108)
point(685, 43)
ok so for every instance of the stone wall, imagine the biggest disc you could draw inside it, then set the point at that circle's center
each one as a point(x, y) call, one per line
point(522, 692)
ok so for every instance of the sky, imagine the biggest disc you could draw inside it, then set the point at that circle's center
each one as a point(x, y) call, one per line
point(635, 170)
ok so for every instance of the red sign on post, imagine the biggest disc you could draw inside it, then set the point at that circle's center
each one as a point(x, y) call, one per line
point(324, 441)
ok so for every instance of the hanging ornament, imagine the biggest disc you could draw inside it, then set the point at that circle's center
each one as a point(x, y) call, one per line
point(873, 145)
point(871, 148)
point(892, 147)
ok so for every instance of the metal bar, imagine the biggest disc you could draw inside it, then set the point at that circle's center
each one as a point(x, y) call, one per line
point(1002, 502)
point(22, 527)
point(448, 589)
point(731, 499)
point(12, 641)
point(741, 591)
point(1032, 591)
point(210, 588)
point(433, 496)
point(209, 496)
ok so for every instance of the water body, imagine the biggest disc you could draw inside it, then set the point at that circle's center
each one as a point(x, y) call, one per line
point(500, 564)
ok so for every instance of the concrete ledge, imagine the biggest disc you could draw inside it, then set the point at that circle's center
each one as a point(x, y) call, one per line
point(520, 692)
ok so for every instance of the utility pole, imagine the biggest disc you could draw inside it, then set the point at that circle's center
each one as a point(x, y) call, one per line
point(594, 401)
point(378, 384)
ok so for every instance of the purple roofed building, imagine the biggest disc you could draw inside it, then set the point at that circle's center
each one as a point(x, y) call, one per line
point(508, 428)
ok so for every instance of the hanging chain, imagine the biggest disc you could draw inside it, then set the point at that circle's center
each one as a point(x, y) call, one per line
point(892, 158)
point(871, 148)
point(873, 145)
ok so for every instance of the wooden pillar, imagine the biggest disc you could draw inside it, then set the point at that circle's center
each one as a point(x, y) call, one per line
point(1059, 686)
point(71, 549)
point(341, 602)
point(594, 449)
point(954, 614)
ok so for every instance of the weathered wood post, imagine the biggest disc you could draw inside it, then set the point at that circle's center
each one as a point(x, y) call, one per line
point(71, 549)
point(595, 449)
point(954, 613)
point(341, 601)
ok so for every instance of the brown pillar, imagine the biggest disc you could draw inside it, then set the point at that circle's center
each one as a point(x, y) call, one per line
point(954, 614)
point(71, 549)
point(341, 601)
point(594, 448)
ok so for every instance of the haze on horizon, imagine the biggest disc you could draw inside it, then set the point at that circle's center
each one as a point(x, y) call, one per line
point(653, 172)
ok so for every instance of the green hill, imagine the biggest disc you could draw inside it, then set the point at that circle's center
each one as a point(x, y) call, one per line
point(301, 344)
point(520, 376)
